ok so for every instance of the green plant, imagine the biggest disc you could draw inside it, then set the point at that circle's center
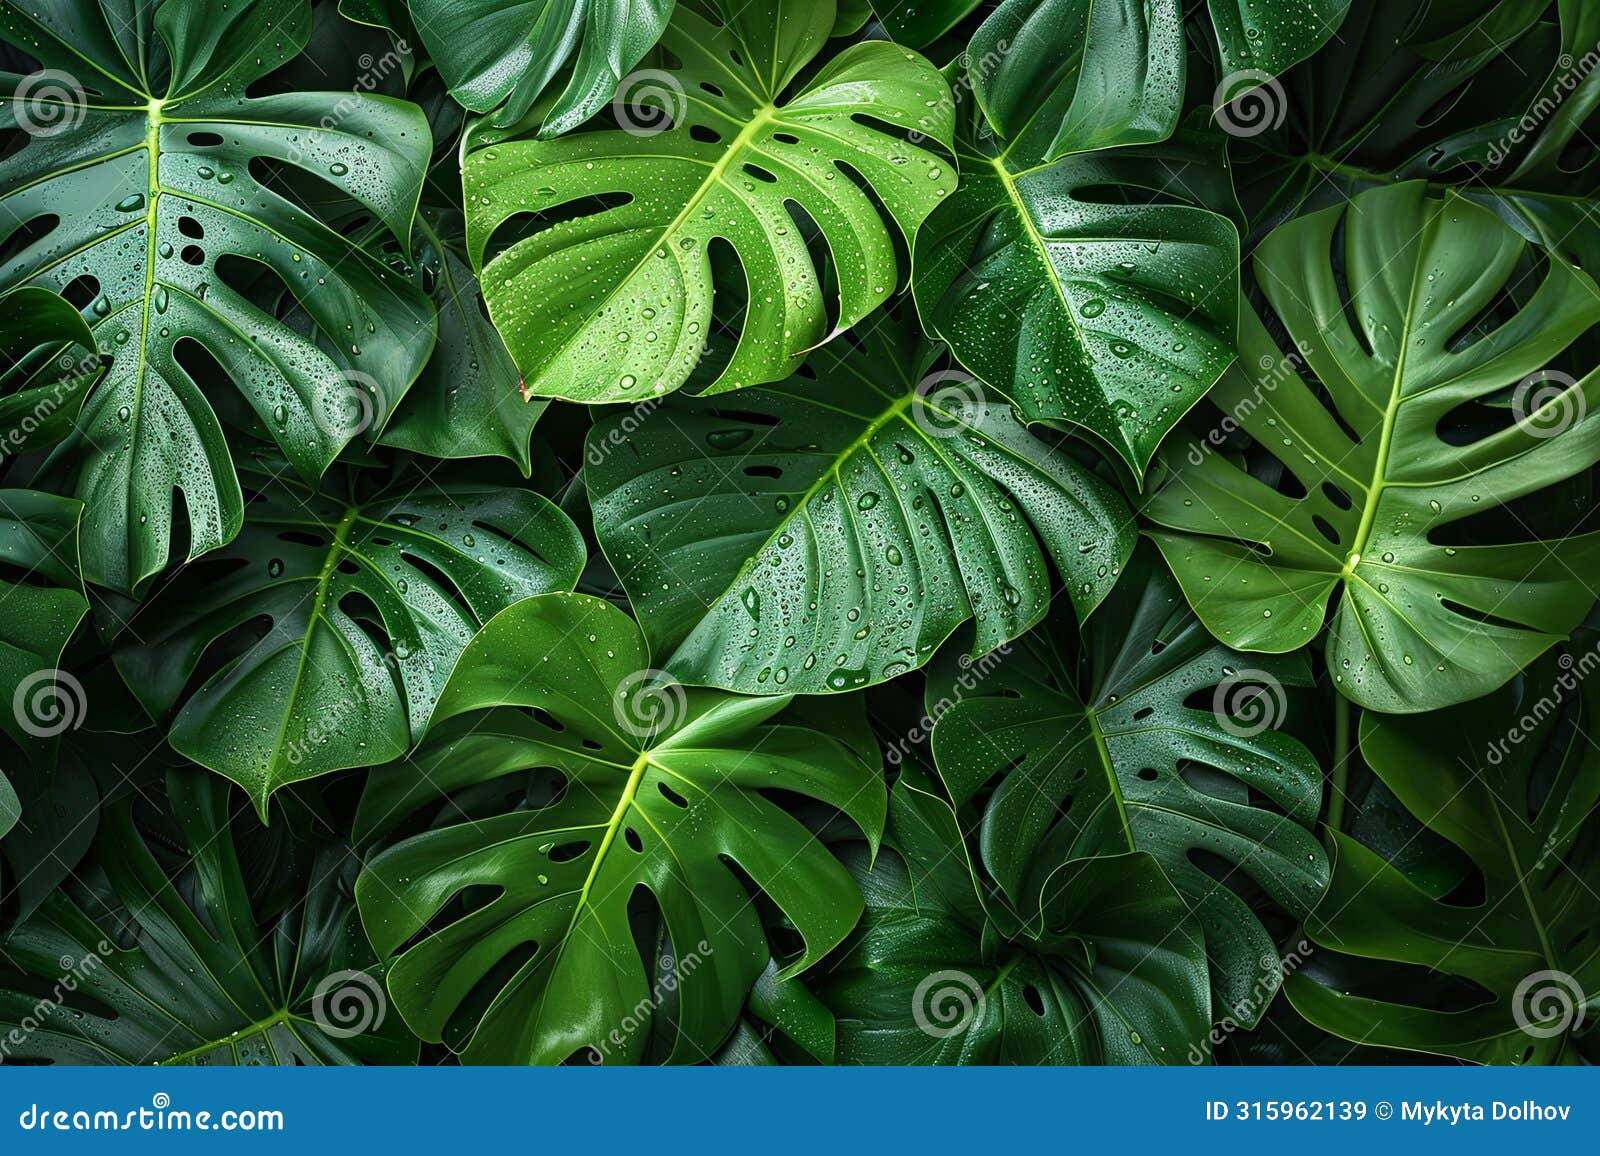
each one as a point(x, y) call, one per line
point(595, 532)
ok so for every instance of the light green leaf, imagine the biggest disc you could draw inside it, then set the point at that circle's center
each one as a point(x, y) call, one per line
point(1390, 333)
point(616, 304)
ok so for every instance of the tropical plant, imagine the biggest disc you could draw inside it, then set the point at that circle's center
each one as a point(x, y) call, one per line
point(799, 531)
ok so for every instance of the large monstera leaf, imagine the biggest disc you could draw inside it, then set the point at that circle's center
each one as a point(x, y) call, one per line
point(1145, 735)
point(830, 534)
point(1115, 312)
point(156, 962)
point(513, 934)
point(325, 631)
point(508, 53)
point(1382, 297)
point(616, 304)
point(1511, 781)
point(1115, 973)
point(152, 196)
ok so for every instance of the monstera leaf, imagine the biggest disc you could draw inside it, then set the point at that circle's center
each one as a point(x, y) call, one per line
point(1262, 35)
point(510, 52)
point(1113, 312)
point(326, 630)
point(1389, 334)
point(1145, 735)
point(1511, 781)
point(513, 934)
point(615, 304)
point(155, 199)
point(1268, 36)
point(1116, 973)
point(830, 534)
point(141, 964)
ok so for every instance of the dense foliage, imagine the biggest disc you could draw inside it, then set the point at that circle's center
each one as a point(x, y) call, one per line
point(799, 531)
